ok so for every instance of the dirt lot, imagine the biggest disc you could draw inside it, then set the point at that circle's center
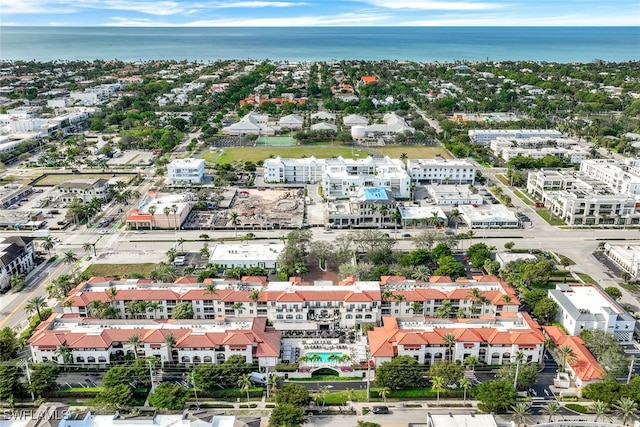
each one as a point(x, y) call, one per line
point(57, 179)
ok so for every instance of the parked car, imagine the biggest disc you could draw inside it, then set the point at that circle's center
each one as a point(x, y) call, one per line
point(380, 410)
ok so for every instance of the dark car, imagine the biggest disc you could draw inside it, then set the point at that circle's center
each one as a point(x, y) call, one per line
point(380, 410)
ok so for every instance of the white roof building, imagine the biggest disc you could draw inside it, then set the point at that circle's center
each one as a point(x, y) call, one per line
point(246, 255)
point(324, 126)
point(627, 257)
point(251, 124)
point(454, 195)
point(186, 171)
point(485, 136)
point(323, 115)
point(488, 216)
point(355, 120)
point(585, 306)
point(416, 214)
point(537, 148)
point(441, 170)
point(622, 177)
point(292, 171)
point(292, 121)
point(392, 124)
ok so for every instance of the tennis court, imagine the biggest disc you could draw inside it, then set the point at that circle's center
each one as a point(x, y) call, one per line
point(275, 141)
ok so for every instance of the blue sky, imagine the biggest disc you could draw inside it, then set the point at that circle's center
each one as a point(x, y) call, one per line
point(270, 13)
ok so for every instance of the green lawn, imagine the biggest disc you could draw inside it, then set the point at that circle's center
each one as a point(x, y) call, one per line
point(119, 270)
point(412, 151)
point(523, 197)
point(255, 154)
point(546, 215)
point(586, 278)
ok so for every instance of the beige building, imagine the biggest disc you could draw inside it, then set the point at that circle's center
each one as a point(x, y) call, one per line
point(161, 211)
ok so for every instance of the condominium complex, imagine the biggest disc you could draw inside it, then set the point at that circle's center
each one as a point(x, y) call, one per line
point(586, 198)
point(17, 256)
point(84, 190)
point(442, 171)
point(485, 136)
point(537, 148)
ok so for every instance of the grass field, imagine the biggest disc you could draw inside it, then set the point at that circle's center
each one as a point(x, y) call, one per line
point(51, 180)
point(412, 151)
point(523, 197)
point(119, 270)
point(546, 215)
point(255, 154)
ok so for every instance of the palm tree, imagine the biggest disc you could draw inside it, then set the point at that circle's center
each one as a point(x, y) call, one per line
point(70, 257)
point(567, 355)
point(416, 306)
point(519, 356)
point(333, 358)
point(238, 307)
point(465, 384)
point(521, 410)
point(174, 211)
point(399, 298)
point(211, 289)
point(471, 362)
point(437, 383)
point(181, 243)
point(171, 254)
point(152, 212)
point(601, 409)
point(323, 391)
point(112, 293)
point(64, 352)
point(170, 341)
point(272, 384)
point(254, 295)
point(395, 217)
point(386, 295)
point(87, 247)
point(552, 409)
point(235, 222)
point(154, 306)
point(17, 281)
point(245, 384)
point(134, 340)
point(204, 237)
point(383, 392)
point(204, 252)
point(471, 234)
point(455, 217)
point(421, 272)
point(36, 304)
point(48, 244)
point(626, 408)
point(167, 211)
point(450, 341)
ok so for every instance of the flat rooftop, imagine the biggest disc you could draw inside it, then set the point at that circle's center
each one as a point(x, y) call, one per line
point(92, 326)
point(587, 297)
point(243, 252)
point(462, 420)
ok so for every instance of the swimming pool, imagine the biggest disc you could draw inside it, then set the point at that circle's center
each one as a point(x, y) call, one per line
point(324, 355)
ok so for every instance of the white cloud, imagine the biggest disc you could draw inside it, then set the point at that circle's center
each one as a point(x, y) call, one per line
point(256, 4)
point(433, 5)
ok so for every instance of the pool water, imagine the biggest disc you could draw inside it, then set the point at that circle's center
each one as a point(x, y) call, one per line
point(324, 355)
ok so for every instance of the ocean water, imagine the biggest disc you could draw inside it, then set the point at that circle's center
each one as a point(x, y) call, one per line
point(421, 44)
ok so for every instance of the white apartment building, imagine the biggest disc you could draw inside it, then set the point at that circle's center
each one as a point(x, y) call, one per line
point(186, 171)
point(17, 256)
point(485, 136)
point(536, 148)
point(293, 171)
point(100, 341)
point(584, 307)
point(442, 171)
point(494, 341)
point(623, 177)
point(581, 200)
point(343, 177)
point(296, 305)
point(84, 190)
point(627, 257)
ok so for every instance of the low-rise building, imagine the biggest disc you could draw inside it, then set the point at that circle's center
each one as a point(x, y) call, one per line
point(97, 342)
point(161, 211)
point(584, 307)
point(627, 257)
point(84, 190)
point(485, 136)
point(246, 255)
point(422, 215)
point(17, 256)
point(441, 171)
point(370, 207)
point(344, 177)
point(493, 340)
point(186, 171)
point(453, 195)
point(538, 148)
point(11, 194)
point(293, 171)
point(291, 121)
point(488, 216)
point(251, 124)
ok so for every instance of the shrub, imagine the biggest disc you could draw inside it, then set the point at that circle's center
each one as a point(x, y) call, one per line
point(286, 367)
point(579, 408)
